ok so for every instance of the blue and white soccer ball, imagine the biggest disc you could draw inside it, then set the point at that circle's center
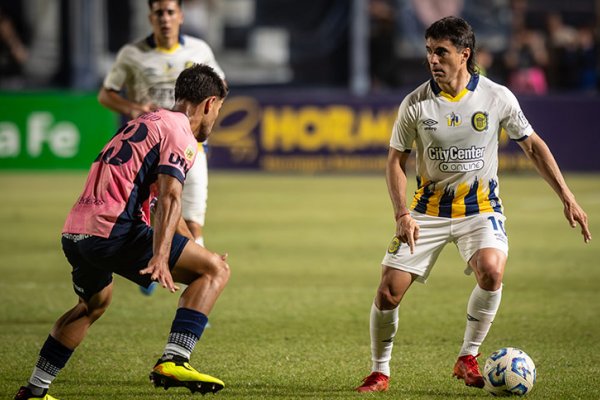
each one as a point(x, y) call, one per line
point(509, 371)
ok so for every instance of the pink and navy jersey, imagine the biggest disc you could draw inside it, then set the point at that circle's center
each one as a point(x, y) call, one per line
point(121, 178)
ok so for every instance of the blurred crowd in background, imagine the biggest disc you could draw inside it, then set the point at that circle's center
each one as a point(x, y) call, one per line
point(533, 46)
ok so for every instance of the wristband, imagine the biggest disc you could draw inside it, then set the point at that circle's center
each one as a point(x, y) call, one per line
point(402, 215)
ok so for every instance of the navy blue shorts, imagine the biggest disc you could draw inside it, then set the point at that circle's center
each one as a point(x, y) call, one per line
point(94, 259)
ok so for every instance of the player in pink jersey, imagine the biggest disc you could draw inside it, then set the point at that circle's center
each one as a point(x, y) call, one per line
point(106, 233)
point(143, 78)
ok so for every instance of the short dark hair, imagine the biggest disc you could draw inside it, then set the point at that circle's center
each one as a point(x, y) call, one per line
point(150, 2)
point(199, 82)
point(459, 32)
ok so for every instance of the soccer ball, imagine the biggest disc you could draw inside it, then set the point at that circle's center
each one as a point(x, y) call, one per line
point(509, 371)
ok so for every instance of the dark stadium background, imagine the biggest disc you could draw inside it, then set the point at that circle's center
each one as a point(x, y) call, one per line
point(329, 72)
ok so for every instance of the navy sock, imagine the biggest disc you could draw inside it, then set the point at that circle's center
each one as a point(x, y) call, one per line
point(53, 357)
point(186, 329)
point(189, 321)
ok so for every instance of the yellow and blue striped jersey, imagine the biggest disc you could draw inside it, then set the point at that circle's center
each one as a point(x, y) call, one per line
point(456, 142)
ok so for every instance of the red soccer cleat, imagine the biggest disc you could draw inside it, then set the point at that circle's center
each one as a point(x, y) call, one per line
point(466, 368)
point(376, 382)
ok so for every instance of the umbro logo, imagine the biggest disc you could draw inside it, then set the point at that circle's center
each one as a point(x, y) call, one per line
point(430, 124)
point(471, 318)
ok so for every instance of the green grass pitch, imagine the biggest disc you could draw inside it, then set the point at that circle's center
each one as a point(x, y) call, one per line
point(293, 321)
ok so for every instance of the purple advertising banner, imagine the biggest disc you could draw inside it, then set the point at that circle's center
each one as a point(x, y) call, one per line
point(324, 131)
point(568, 126)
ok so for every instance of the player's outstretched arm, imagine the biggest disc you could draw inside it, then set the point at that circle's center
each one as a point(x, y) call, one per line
point(541, 156)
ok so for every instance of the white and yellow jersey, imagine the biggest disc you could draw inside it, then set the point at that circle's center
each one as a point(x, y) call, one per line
point(148, 72)
point(457, 145)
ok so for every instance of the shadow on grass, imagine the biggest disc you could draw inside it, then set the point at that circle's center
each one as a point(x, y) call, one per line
point(112, 389)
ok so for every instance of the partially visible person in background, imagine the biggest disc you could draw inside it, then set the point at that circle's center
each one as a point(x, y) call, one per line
point(143, 79)
point(485, 60)
point(562, 53)
point(382, 36)
point(588, 60)
point(13, 51)
point(526, 61)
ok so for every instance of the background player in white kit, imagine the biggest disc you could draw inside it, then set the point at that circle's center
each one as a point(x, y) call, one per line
point(147, 70)
point(454, 120)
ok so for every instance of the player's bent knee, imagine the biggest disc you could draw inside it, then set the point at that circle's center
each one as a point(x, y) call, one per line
point(489, 267)
point(223, 271)
point(491, 278)
point(218, 269)
point(386, 300)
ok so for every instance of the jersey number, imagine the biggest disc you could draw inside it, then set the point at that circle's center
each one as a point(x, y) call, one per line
point(122, 151)
point(497, 225)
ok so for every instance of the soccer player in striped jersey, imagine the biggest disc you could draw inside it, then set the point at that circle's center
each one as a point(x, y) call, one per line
point(454, 120)
point(146, 70)
point(106, 232)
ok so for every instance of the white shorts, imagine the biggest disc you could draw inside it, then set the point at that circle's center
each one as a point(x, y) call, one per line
point(469, 234)
point(195, 190)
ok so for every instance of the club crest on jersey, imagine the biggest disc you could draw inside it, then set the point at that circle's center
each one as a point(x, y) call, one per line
point(394, 246)
point(480, 121)
point(454, 119)
point(189, 153)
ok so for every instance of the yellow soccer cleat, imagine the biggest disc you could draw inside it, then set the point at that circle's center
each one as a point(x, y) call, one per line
point(24, 393)
point(176, 371)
